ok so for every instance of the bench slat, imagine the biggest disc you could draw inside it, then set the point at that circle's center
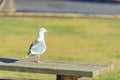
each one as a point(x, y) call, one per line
point(55, 67)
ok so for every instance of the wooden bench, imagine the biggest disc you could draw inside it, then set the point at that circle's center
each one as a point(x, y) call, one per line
point(64, 70)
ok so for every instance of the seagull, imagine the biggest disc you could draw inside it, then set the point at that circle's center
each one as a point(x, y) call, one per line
point(38, 47)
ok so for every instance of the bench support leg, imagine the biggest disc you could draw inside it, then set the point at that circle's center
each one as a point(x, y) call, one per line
point(66, 77)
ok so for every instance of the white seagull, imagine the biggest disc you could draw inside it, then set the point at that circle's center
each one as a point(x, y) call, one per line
point(38, 47)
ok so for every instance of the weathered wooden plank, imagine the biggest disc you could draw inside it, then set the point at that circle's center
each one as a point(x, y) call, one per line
point(55, 67)
point(13, 78)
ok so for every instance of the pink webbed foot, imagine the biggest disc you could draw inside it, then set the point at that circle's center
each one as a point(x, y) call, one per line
point(37, 61)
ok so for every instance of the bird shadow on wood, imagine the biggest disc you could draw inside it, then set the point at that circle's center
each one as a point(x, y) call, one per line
point(8, 60)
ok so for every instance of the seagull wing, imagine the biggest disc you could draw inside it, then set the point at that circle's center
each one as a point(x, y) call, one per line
point(37, 47)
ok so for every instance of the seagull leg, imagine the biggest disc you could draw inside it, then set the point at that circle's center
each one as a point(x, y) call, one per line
point(35, 57)
point(38, 61)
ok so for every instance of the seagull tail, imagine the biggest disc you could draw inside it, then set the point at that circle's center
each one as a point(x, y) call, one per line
point(27, 56)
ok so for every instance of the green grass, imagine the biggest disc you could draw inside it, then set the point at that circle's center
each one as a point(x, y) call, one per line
point(84, 40)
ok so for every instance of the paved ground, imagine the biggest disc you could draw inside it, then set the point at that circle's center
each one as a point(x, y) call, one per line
point(67, 6)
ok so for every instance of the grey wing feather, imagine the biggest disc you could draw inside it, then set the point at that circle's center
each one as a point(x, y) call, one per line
point(37, 47)
point(29, 52)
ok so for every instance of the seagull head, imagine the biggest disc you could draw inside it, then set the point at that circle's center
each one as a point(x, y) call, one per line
point(43, 30)
point(41, 34)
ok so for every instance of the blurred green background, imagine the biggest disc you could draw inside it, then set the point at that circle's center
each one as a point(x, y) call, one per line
point(71, 39)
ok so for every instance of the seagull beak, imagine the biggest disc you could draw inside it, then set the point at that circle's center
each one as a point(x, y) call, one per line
point(47, 31)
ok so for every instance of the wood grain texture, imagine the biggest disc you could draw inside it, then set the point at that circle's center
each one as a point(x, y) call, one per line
point(55, 67)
